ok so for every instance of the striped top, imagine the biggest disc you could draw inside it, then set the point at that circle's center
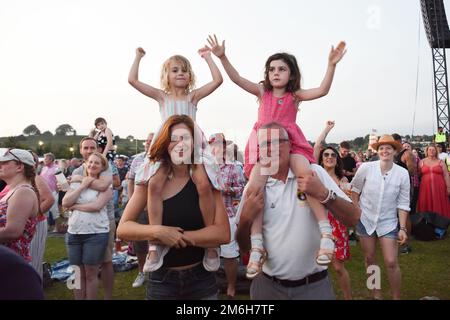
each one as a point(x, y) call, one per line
point(172, 107)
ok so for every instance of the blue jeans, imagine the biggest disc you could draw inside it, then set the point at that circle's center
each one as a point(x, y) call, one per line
point(361, 231)
point(190, 284)
point(86, 248)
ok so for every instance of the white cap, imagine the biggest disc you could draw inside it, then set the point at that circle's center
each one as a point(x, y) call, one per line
point(24, 156)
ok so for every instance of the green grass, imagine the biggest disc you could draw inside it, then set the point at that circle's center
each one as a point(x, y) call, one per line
point(425, 272)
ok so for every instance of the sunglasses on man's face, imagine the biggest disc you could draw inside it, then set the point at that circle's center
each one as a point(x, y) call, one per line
point(329, 154)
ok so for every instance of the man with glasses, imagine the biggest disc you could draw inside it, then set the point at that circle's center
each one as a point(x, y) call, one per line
point(290, 230)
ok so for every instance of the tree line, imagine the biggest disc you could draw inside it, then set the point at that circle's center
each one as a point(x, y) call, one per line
point(64, 141)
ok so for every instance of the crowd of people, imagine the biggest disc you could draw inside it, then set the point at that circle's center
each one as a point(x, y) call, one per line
point(189, 201)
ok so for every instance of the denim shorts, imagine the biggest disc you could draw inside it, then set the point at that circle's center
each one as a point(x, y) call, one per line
point(86, 249)
point(190, 284)
point(361, 231)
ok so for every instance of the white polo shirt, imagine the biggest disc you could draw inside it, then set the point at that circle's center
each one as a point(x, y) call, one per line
point(290, 230)
point(381, 196)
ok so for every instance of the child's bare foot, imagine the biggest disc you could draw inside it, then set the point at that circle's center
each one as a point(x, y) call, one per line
point(211, 253)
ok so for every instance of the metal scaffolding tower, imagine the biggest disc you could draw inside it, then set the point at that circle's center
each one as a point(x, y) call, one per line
point(438, 34)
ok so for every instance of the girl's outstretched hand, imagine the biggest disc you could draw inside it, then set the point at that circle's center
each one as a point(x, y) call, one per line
point(337, 54)
point(329, 125)
point(140, 52)
point(204, 52)
point(215, 47)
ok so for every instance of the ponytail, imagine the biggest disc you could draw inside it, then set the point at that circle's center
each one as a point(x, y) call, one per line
point(30, 173)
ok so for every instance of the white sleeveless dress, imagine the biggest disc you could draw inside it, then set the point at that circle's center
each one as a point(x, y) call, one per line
point(202, 151)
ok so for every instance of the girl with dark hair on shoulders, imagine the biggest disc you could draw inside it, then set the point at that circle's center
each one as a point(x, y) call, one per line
point(105, 138)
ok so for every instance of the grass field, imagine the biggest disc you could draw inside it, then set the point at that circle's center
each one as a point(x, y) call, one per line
point(425, 272)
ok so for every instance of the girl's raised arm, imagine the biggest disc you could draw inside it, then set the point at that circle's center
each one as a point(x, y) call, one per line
point(217, 79)
point(133, 79)
point(321, 138)
point(219, 52)
point(334, 57)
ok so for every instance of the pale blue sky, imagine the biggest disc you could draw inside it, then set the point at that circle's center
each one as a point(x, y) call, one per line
point(68, 61)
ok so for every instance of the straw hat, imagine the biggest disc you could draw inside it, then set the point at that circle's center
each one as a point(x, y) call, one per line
point(387, 139)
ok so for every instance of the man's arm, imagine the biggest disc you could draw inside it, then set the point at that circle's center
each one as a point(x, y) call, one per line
point(252, 204)
point(101, 184)
point(343, 210)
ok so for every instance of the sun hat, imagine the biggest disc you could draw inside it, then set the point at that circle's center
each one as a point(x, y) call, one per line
point(387, 139)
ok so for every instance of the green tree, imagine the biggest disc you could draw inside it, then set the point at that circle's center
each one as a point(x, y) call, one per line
point(31, 130)
point(47, 134)
point(64, 130)
point(13, 142)
point(358, 142)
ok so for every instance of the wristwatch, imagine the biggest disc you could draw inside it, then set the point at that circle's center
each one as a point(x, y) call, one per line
point(330, 197)
point(333, 196)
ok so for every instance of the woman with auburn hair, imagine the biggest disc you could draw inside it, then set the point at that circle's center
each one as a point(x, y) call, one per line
point(20, 206)
point(88, 232)
point(435, 184)
point(183, 233)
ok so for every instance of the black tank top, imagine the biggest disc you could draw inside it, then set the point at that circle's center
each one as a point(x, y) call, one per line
point(183, 210)
point(398, 159)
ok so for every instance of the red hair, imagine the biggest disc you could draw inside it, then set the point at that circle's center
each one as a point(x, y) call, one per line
point(159, 149)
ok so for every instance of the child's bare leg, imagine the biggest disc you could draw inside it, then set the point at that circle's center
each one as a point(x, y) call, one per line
point(205, 193)
point(301, 167)
point(256, 240)
point(207, 204)
point(154, 205)
point(256, 183)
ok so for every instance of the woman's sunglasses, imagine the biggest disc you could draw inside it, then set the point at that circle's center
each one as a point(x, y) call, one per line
point(329, 154)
